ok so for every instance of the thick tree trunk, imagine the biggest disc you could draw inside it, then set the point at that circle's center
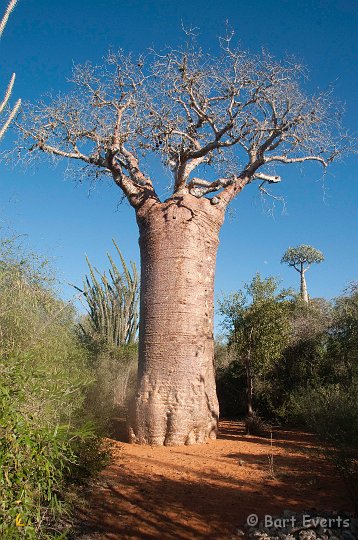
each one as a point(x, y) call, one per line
point(304, 293)
point(176, 399)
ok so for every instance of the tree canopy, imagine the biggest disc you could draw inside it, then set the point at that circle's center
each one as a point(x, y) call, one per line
point(302, 255)
point(242, 114)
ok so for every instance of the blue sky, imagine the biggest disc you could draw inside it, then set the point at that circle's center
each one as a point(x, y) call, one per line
point(65, 220)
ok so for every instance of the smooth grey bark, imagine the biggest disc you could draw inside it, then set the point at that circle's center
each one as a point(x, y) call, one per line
point(303, 288)
point(176, 400)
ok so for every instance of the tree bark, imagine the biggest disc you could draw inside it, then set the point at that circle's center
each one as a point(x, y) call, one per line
point(249, 391)
point(304, 293)
point(176, 399)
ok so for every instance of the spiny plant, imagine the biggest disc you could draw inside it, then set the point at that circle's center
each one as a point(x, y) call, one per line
point(12, 113)
point(113, 301)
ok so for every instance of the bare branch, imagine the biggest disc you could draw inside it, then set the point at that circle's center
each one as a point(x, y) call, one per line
point(199, 187)
point(231, 191)
point(268, 178)
point(10, 118)
point(240, 113)
point(11, 112)
point(269, 194)
point(132, 165)
point(57, 152)
point(6, 15)
point(7, 93)
point(284, 159)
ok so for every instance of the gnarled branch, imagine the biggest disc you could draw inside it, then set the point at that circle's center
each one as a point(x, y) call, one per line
point(237, 112)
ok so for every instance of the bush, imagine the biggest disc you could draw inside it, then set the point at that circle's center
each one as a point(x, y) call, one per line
point(115, 371)
point(326, 399)
point(255, 425)
point(332, 413)
point(44, 377)
point(230, 382)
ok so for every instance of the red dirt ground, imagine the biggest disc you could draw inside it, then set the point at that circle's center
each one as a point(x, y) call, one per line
point(207, 491)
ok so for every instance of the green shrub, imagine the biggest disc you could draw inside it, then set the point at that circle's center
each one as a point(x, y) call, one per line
point(34, 455)
point(331, 411)
point(46, 440)
point(255, 425)
point(230, 382)
point(115, 371)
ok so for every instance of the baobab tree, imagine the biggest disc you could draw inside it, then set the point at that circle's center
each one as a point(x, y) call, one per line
point(301, 258)
point(218, 123)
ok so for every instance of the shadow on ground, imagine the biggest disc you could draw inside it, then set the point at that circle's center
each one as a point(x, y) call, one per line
point(207, 491)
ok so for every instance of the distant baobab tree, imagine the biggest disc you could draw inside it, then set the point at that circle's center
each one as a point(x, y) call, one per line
point(12, 112)
point(301, 258)
point(238, 115)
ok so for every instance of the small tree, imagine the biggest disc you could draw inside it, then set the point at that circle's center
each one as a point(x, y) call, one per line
point(12, 112)
point(257, 323)
point(301, 258)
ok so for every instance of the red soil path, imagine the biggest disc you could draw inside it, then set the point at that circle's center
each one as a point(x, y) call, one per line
point(207, 491)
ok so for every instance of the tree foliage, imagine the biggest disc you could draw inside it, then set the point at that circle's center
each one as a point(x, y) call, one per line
point(343, 335)
point(302, 256)
point(304, 362)
point(326, 401)
point(257, 323)
point(315, 380)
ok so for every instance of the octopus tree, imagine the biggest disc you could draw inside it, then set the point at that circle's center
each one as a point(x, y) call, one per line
point(4, 105)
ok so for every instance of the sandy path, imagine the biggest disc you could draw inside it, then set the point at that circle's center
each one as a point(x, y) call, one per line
point(207, 491)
